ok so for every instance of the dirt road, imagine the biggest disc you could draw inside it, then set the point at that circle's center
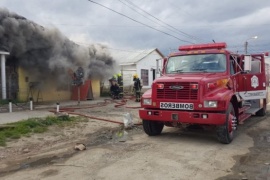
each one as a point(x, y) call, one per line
point(114, 154)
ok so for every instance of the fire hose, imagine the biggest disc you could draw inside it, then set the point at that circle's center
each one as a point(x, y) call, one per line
point(70, 110)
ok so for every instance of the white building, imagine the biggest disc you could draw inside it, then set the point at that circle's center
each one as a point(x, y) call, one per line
point(147, 64)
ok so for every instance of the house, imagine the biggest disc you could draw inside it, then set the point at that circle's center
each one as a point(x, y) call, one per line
point(19, 83)
point(146, 64)
point(46, 90)
point(41, 63)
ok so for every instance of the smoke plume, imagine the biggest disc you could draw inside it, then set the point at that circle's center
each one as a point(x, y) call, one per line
point(48, 54)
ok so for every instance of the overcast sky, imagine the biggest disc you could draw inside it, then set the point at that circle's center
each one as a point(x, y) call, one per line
point(172, 22)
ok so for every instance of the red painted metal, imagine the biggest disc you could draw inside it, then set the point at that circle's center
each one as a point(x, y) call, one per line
point(191, 117)
point(202, 87)
point(221, 45)
point(84, 91)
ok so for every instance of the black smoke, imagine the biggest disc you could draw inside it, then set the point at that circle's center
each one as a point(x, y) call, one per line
point(48, 54)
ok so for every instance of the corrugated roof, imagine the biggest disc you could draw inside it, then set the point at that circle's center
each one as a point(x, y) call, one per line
point(131, 57)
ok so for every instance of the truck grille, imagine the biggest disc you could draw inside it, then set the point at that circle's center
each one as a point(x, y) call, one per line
point(185, 93)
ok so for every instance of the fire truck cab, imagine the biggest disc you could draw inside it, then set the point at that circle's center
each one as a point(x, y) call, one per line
point(205, 84)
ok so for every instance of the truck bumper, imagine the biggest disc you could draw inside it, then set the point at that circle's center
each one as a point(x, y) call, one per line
point(190, 117)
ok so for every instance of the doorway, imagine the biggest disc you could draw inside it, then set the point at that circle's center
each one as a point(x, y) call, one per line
point(154, 74)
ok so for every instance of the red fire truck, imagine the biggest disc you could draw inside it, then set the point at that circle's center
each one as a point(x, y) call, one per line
point(205, 84)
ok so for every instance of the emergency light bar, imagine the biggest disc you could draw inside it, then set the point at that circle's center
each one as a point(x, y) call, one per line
point(203, 46)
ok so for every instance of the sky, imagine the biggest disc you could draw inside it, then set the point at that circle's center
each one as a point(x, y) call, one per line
point(126, 25)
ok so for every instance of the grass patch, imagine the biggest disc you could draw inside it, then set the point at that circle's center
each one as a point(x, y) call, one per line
point(33, 125)
point(6, 101)
point(2, 102)
point(40, 129)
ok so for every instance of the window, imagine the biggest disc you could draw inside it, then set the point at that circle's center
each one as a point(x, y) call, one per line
point(232, 67)
point(144, 77)
point(196, 63)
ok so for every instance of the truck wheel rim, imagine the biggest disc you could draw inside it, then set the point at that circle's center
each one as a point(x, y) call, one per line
point(230, 122)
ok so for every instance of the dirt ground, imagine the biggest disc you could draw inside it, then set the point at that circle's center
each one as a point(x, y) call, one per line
point(112, 153)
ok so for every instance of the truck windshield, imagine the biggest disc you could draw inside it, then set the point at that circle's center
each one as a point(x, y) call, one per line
point(196, 63)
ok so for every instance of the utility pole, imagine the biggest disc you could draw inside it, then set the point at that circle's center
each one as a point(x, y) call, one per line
point(246, 43)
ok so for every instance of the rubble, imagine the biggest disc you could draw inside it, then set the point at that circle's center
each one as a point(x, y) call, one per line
point(80, 147)
point(26, 150)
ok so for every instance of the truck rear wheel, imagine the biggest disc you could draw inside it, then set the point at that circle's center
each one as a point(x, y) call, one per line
point(152, 128)
point(225, 133)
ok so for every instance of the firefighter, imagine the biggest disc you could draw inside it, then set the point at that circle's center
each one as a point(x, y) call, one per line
point(115, 89)
point(120, 83)
point(119, 79)
point(137, 87)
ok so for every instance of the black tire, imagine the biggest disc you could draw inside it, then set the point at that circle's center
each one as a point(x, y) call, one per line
point(262, 111)
point(152, 128)
point(225, 134)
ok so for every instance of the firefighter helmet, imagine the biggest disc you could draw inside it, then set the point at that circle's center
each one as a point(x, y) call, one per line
point(135, 76)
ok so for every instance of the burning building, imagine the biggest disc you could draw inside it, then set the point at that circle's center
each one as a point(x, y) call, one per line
point(35, 61)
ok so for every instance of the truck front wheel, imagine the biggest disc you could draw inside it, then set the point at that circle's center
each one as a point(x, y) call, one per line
point(152, 128)
point(225, 133)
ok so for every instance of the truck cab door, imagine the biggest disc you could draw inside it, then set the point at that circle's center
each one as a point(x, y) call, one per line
point(252, 81)
point(234, 77)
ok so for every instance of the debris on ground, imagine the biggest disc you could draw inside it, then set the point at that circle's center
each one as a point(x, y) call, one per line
point(80, 147)
point(26, 150)
point(62, 114)
point(128, 120)
point(121, 136)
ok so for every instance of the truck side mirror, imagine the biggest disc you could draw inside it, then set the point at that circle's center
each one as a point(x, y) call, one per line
point(164, 65)
point(247, 63)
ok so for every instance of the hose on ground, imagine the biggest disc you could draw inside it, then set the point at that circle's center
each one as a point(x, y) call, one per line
point(70, 110)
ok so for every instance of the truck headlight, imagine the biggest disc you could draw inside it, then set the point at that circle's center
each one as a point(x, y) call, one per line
point(210, 104)
point(147, 101)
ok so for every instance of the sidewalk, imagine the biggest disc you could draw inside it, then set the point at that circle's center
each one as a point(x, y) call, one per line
point(40, 110)
point(22, 115)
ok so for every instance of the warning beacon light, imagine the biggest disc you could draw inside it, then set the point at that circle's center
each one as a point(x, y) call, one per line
point(221, 45)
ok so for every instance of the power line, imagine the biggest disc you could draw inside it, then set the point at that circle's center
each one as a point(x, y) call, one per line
point(230, 48)
point(200, 26)
point(187, 35)
point(253, 46)
point(147, 17)
point(139, 22)
point(98, 25)
point(180, 10)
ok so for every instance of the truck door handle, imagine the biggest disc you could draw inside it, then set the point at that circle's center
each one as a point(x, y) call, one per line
point(245, 84)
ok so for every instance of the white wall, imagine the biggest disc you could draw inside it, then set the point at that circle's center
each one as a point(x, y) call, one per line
point(149, 62)
point(128, 72)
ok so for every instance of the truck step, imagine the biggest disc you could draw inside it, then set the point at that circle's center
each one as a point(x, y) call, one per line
point(243, 117)
point(253, 111)
point(243, 109)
